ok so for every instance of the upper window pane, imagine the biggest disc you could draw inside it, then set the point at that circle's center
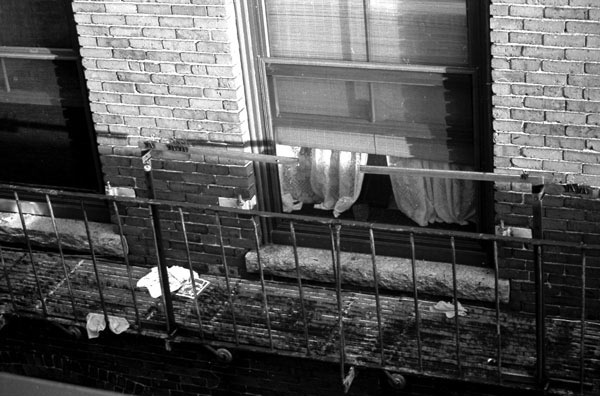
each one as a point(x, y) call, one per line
point(34, 23)
point(387, 31)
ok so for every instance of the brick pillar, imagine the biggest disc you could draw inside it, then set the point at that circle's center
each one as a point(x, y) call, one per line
point(546, 79)
point(169, 69)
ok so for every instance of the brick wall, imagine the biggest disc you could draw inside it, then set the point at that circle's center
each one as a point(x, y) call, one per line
point(167, 70)
point(546, 74)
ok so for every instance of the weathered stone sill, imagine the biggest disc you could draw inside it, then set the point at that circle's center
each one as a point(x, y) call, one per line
point(395, 273)
point(73, 234)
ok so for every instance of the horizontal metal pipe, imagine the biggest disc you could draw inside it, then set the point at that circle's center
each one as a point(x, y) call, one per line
point(450, 174)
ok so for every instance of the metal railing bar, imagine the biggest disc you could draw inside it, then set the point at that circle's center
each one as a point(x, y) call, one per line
point(583, 324)
point(128, 266)
point(497, 306)
point(62, 256)
point(262, 282)
point(94, 262)
point(189, 262)
point(163, 273)
point(5, 75)
point(338, 292)
point(537, 229)
point(8, 283)
point(227, 280)
point(37, 53)
point(413, 263)
point(451, 174)
point(377, 302)
point(455, 297)
point(233, 154)
point(30, 251)
point(300, 288)
point(314, 219)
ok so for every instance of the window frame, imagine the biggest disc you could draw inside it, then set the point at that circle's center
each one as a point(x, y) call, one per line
point(258, 64)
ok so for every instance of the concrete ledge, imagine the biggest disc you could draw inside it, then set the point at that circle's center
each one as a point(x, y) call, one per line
point(395, 273)
point(72, 234)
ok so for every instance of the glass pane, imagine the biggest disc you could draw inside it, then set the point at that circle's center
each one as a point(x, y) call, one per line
point(446, 102)
point(418, 32)
point(35, 23)
point(321, 29)
point(43, 129)
point(398, 31)
point(322, 97)
point(40, 82)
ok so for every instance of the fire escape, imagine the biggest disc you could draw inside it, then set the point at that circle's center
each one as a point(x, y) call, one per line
point(335, 322)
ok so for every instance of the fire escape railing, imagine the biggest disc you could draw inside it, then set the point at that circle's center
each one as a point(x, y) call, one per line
point(347, 371)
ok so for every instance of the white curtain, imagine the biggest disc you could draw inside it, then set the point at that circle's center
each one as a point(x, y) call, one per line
point(329, 179)
point(427, 200)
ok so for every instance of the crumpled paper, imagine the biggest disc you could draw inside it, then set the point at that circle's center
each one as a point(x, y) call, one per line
point(447, 308)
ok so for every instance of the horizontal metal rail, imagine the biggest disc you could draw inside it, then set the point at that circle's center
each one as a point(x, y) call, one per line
point(35, 53)
point(269, 311)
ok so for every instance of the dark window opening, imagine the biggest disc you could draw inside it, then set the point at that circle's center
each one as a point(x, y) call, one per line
point(46, 132)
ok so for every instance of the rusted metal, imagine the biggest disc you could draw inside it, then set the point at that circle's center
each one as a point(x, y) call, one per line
point(128, 266)
point(300, 289)
point(262, 282)
point(455, 298)
point(413, 263)
point(94, 262)
point(339, 297)
point(62, 256)
point(497, 307)
point(189, 262)
point(582, 324)
point(537, 193)
point(377, 302)
point(30, 251)
point(163, 273)
point(227, 280)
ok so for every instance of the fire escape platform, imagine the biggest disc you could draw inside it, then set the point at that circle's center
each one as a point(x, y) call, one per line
point(308, 327)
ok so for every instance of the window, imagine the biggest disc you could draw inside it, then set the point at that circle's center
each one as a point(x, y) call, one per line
point(346, 83)
point(45, 132)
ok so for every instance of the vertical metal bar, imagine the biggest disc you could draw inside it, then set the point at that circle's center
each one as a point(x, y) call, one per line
point(300, 289)
point(413, 263)
point(163, 273)
point(5, 75)
point(583, 324)
point(94, 262)
point(537, 192)
point(454, 295)
point(62, 256)
point(338, 292)
point(262, 283)
point(189, 260)
point(366, 8)
point(28, 242)
point(128, 266)
point(377, 302)
point(8, 284)
point(498, 328)
point(227, 281)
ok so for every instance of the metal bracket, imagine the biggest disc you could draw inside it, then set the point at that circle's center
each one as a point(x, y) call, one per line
point(396, 381)
point(147, 160)
point(223, 355)
point(347, 382)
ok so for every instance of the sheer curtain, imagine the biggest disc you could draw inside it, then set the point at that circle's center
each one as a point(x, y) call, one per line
point(426, 200)
point(329, 179)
